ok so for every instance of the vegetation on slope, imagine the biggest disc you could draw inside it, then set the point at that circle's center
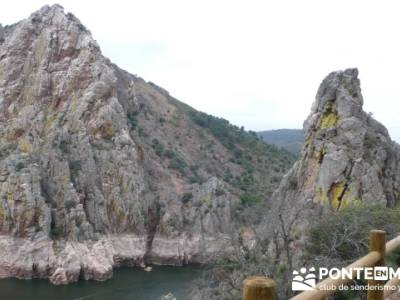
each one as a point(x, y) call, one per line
point(333, 241)
point(289, 139)
point(249, 152)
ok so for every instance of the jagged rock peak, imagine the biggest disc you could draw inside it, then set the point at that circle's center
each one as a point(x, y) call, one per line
point(48, 10)
point(348, 156)
point(55, 13)
point(341, 91)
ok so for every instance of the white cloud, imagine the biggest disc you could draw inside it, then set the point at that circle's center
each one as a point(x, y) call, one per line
point(256, 63)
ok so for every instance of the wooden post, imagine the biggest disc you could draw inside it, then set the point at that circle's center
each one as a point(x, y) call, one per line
point(377, 242)
point(259, 288)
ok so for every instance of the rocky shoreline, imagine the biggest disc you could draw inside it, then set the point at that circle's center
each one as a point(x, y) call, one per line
point(64, 262)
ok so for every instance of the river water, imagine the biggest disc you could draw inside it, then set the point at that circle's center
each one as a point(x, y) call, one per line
point(127, 283)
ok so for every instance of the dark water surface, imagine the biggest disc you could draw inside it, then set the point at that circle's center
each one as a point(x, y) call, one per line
point(127, 283)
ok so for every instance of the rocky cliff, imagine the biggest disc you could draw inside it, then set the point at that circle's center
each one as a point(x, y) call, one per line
point(99, 168)
point(347, 157)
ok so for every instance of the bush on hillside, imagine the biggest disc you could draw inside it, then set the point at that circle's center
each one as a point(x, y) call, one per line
point(332, 241)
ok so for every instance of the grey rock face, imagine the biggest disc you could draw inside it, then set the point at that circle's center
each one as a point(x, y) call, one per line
point(347, 157)
point(60, 122)
point(81, 187)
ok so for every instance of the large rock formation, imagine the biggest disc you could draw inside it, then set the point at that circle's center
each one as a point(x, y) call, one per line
point(99, 168)
point(347, 157)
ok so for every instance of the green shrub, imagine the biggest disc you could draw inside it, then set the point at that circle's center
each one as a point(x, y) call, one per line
point(196, 178)
point(246, 181)
point(219, 192)
point(132, 122)
point(248, 199)
point(7, 149)
point(169, 153)
point(275, 179)
point(70, 204)
point(64, 146)
point(343, 236)
point(74, 167)
point(187, 197)
point(194, 168)
point(228, 177)
point(158, 147)
point(178, 164)
point(350, 226)
point(19, 166)
point(56, 231)
point(238, 153)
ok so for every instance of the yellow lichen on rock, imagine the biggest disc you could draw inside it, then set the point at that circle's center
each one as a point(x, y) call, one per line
point(117, 211)
point(25, 220)
point(2, 216)
point(336, 193)
point(10, 197)
point(50, 121)
point(319, 155)
point(330, 117)
point(74, 102)
point(329, 121)
point(321, 196)
point(2, 72)
point(337, 197)
point(349, 199)
point(14, 134)
point(114, 206)
point(308, 141)
point(312, 174)
point(24, 145)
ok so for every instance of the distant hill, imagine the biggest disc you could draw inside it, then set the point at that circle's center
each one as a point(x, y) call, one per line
point(289, 139)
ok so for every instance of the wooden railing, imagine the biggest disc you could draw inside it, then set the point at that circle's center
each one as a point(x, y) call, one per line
point(262, 288)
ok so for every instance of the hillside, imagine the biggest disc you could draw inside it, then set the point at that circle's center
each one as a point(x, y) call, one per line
point(289, 139)
point(100, 169)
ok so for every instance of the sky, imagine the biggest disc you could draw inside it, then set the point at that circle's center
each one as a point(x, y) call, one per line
point(255, 63)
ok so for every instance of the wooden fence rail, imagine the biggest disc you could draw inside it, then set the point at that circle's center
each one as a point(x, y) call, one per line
point(263, 288)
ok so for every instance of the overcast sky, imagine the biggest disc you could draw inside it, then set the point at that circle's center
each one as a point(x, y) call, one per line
point(255, 63)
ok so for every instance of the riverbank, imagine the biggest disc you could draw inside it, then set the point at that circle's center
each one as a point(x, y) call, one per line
point(64, 262)
point(127, 283)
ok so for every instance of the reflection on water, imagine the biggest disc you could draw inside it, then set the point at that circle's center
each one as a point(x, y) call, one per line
point(127, 283)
